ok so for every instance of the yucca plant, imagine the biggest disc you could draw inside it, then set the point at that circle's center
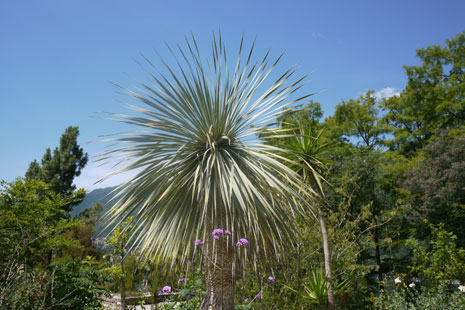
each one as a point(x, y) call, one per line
point(200, 165)
point(316, 289)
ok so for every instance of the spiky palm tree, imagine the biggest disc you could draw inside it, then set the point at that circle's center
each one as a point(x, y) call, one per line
point(200, 164)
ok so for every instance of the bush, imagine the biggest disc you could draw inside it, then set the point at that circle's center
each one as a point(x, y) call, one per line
point(443, 297)
point(63, 285)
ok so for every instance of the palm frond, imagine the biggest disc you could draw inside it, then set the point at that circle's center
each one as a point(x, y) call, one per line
point(199, 159)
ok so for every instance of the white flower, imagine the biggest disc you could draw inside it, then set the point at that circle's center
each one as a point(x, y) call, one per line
point(462, 288)
point(412, 285)
point(397, 280)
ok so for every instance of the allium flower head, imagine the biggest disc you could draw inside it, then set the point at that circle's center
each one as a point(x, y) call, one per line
point(181, 280)
point(216, 237)
point(271, 278)
point(397, 280)
point(227, 232)
point(242, 242)
point(462, 288)
point(198, 242)
point(258, 296)
point(166, 289)
point(217, 231)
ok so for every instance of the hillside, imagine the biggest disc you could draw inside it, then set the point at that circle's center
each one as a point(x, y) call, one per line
point(97, 195)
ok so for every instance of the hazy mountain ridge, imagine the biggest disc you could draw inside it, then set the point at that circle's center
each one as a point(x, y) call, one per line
point(101, 195)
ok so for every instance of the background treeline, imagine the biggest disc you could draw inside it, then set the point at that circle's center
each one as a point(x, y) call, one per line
point(392, 200)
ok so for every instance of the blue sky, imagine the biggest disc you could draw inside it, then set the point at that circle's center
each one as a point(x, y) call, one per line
point(58, 57)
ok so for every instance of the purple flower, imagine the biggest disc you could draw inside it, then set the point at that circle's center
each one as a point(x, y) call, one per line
point(271, 278)
point(239, 243)
point(244, 241)
point(188, 296)
point(181, 280)
point(166, 289)
point(216, 237)
point(258, 296)
point(217, 231)
point(160, 293)
point(198, 242)
point(227, 232)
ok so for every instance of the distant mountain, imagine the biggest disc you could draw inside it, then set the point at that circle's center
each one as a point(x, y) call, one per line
point(97, 195)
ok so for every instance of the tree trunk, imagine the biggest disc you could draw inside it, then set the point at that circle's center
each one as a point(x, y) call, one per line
point(378, 260)
point(219, 257)
point(324, 234)
point(122, 286)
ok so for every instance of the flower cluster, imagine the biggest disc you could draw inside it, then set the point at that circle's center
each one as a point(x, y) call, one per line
point(198, 242)
point(242, 242)
point(462, 288)
point(218, 232)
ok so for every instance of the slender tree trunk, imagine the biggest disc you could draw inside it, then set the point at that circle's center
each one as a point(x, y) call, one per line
point(219, 257)
point(378, 260)
point(49, 257)
point(324, 234)
point(122, 286)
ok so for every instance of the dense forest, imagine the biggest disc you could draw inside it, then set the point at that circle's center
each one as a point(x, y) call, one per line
point(384, 228)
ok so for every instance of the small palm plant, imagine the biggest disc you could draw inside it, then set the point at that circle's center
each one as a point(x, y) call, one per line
point(200, 165)
point(316, 291)
point(306, 154)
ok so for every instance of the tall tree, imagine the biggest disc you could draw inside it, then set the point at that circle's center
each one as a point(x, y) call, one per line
point(202, 167)
point(357, 124)
point(433, 99)
point(58, 169)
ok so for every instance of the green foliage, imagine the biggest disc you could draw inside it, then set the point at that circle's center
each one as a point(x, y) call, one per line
point(358, 119)
point(120, 237)
point(61, 286)
point(79, 283)
point(31, 221)
point(84, 232)
point(438, 260)
point(316, 291)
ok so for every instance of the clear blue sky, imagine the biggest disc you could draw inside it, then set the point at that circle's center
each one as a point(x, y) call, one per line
point(57, 57)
